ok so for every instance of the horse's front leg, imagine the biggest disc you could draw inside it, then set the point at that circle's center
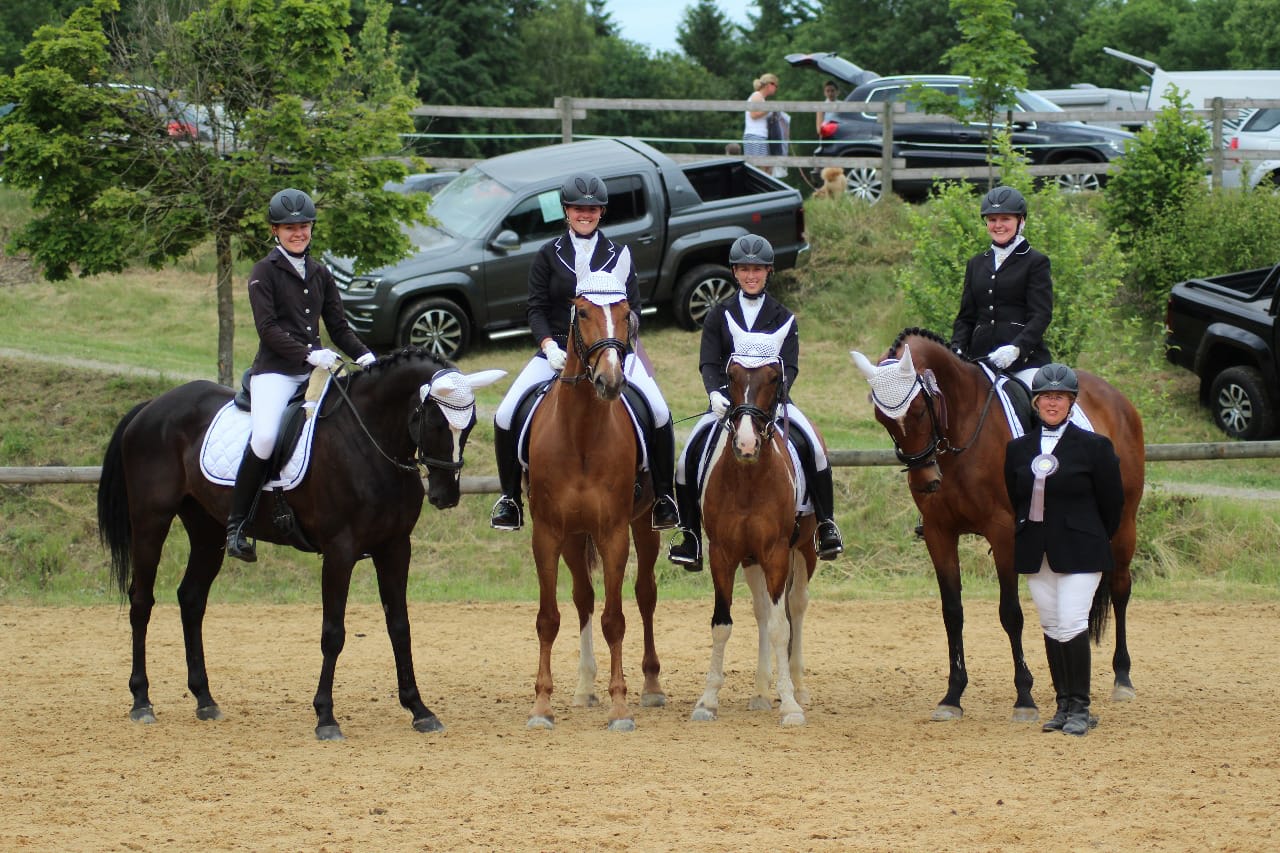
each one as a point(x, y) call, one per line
point(648, 543)
point(392, 564)
point(943, 551)
point(335, 581)
point(613, 550)
point(207, 538)
point(578, 559)
point(762, 607)
point(1011, 619)
point(777, 570)
point(722, 574)
point(546, 554)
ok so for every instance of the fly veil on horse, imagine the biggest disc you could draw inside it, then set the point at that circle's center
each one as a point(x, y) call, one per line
point(750, 498)
point(361, 495)
point(950, 430)
point(583, 494)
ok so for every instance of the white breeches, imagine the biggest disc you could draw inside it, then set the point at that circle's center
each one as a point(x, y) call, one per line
point(269, 394)
point(1062, 600)
point(798, 421)
point(538, 371)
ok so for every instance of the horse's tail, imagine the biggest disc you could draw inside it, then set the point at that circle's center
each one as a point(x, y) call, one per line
point(114, 530)
point(1100, 609)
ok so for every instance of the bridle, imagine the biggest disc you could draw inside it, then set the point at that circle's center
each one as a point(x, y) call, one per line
point(765, 421)
point(935, 405)
point(585, 351)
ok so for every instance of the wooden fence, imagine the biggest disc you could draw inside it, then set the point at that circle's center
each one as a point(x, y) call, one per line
point(569, 110)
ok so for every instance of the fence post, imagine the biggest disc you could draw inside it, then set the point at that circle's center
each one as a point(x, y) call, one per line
point(565, 105)
point(886, 151)
point(1216, 158)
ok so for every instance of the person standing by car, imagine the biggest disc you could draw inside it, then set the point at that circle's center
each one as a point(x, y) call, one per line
point(290, 293)
point(755, 131)
point(553, 280)
point(1065, 486)
point(1007, 300)
point(830, 94)
point(751, 259)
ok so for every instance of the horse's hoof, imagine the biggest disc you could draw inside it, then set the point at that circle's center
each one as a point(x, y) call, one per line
point(143, 714)
point(537, 721)
point(429, 723)
point(1026, 715)
point(653, 700)
point(329, 732)
point(760, 703)
point(624, 725)
point(703, 714)
point(1123, 693)
point(945, 713)
point(796, 718)
point(209, 712)
point(588, 701)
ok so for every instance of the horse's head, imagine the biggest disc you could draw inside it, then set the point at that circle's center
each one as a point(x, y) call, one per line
point(756, 388)
point(440, 426)
point(600, 332)
point(909, 404)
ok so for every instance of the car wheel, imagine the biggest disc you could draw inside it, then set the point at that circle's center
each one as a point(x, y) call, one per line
point(697, 291)
point(1241, 404)
point(864, 183)
point(437, 325)
point(1080, 182)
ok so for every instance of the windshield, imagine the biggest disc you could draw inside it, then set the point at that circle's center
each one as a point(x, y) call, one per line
point(1033, 103)
point(469, 204)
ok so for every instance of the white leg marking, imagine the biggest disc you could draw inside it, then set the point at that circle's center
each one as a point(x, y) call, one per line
point(798, 605)
point(754, 576)
point(709, 704)
point(585, 695)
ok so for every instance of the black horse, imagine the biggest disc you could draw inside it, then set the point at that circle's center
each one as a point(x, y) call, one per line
point(361, 495)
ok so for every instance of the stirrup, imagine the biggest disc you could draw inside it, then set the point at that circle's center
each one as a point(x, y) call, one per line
point(679, 553)
point(240, 546)
point(665, 515)
point(830, 544)
point(506, 515)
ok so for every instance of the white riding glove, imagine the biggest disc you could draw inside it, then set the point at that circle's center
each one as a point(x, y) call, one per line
point(555, 355)
point(1002, 357)
point(719, 403)
point(325, 358)
point(366, 359)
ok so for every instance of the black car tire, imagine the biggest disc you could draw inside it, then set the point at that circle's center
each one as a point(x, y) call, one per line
point(437, 325)
point(1079, 182)
point(698, 290)
point(1241, 405)
point(864, 183)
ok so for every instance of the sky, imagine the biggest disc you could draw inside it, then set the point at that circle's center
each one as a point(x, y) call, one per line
point(654, 22)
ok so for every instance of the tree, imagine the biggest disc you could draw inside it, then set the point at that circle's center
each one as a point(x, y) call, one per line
point(706, 36)
point(1254, 29)
point(289, 102)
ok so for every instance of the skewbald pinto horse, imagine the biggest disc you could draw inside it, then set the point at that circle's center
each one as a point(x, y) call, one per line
point(749, 509)
point(362, 495)
point(582, 499)
point(950, 432)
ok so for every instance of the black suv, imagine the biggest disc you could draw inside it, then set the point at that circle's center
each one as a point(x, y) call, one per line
point(939, 145)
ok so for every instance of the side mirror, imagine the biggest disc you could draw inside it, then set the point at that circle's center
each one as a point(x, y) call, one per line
point(505, 241)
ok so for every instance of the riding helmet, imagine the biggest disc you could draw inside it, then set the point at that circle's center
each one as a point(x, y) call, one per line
point(751, 249)
point(584, 189)
point(1055, 377)
point(1004, 200)
point(291, 205)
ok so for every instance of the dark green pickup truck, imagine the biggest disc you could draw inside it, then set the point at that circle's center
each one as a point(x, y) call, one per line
point(469, 275)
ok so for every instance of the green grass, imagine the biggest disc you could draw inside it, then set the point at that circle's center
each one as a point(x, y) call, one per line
point(60, 413)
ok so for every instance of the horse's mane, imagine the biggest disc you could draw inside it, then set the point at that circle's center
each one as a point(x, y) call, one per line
point(400, 357)
point(916, 331)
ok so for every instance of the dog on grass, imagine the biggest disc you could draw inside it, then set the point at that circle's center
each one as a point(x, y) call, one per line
point(834, 183)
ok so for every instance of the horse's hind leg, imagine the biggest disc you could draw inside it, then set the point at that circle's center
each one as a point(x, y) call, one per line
point(648, 542)
point(762, 608)
point(584, 599)
point(392, 565)
point(1121, 586)
point(207, 539)
point(149, 531)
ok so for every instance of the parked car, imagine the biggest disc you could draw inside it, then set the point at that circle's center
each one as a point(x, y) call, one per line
point(1223, 329)
point(469, 274)
point(1259, 137)
point(940, 145)
point(422, 182)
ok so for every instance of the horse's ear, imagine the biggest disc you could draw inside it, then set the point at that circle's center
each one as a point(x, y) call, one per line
point(734, 329)
point(864, 364)
point(482, 378)
point(905, 366)
point(776, 338)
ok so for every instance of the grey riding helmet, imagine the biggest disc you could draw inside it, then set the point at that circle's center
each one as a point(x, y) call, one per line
point(751, 249)
point(1004, 200)
point(1055, 377)
point(584, 189)
point(291, 205)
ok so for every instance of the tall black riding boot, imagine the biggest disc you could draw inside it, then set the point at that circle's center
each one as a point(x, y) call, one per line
point(822, 493)
point(1077, 661)
point(244, 499)
point(1053, 653)
point(688, 551)
point(662, 469)
point(508, 511)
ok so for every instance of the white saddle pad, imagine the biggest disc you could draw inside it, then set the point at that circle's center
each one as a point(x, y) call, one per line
point(225, 440)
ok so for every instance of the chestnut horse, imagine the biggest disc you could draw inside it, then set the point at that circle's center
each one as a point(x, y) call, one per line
point(749, 509)
point(582, 498)
point(950, 432)
point(361, 495)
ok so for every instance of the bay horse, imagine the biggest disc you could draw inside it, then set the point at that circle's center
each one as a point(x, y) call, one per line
point(950, 432)
point(362, 495)
point(583, 502)
point(749, 512)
